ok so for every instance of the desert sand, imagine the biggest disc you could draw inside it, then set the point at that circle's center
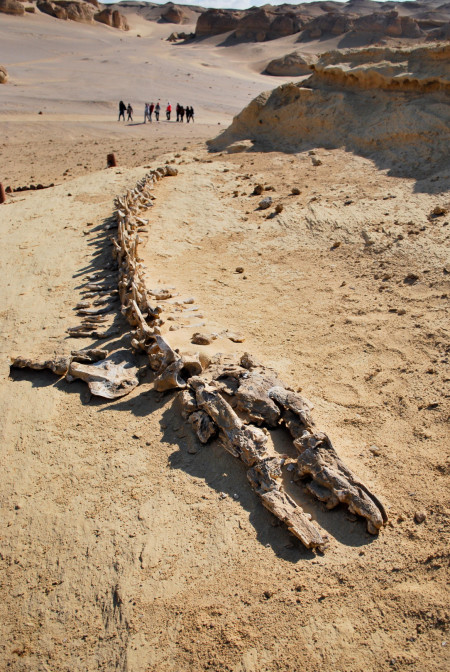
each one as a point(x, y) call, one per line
point(126, 544)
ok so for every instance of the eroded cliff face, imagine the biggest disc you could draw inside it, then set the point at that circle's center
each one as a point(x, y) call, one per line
point(387, 104)
point(422, 69)
point(367, 22)
point(73, 10)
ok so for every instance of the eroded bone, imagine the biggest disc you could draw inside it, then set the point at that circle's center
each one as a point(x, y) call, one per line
point(296, 410)
point(89, 355)
point(176, 374)
point(243, 441)
point(336, 483)
point(264, 479)
point(188, 403)
point(110, 378)
point(203, 426)
point(59, 365)
point(95, 311)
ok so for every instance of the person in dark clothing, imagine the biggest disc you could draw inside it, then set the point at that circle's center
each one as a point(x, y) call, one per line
point(157, 111)
point(181, 113)
point(122, 109)
point(189, 114)
point(151, 107)
point(178, 108)
point(129, 112)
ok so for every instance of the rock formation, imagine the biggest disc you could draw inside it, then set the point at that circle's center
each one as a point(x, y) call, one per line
point(388, 24)
point(11, 7)
point(52, 9)
point(261, 24)
point(113, 18)
point(3, 74)
point(321, 21)
point(83, 11)
point(77, 11)
point(387, 104)
point(329, 24)
point(373, 26)
point(440, 33)
point(174, 14)
point(291, 65)
point(216, 21)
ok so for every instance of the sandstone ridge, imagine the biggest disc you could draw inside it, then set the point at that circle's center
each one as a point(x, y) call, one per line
point(387, 104)
point(69, 10)
point(362, 22)
point(11, 7)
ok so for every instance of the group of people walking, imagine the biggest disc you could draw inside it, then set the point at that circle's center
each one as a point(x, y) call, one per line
point(125, 108)
point(188, 111)
point(180, 110)
point(151, 108)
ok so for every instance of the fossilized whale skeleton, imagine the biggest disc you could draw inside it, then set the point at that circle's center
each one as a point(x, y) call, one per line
point(237, 400)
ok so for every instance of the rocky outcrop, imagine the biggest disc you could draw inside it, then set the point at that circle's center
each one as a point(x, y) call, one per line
point(291, 65)
point(113, 18)
point(420, 70)
point(216, 22)
point(3, 74)
point(47, 7)
point(255, 25)
point(82, 12)
point(377, 24)
point(174, 37)
point(11, 7)
point(441, 33)
point(388, 24)
point(66, 9)
point(262, 24)
point(387, 104)
point(328, 25)
point(174, 14)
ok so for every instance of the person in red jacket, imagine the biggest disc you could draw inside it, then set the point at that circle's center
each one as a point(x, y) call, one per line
point(168, 111)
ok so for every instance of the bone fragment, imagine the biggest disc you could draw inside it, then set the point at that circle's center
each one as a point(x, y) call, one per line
point(176, 374)
point(296, 410)
point(94, 287)
point(318, 459)
point(110, 378)
point(188, 403)
point(59, 365)
point(88, 356)
point(95, 311)
point(283, 507)
point(203, 426)
point(264, 479)
point(243, 441)
point(104, 299)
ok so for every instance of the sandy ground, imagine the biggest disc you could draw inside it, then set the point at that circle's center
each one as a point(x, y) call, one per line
point(125, 544)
